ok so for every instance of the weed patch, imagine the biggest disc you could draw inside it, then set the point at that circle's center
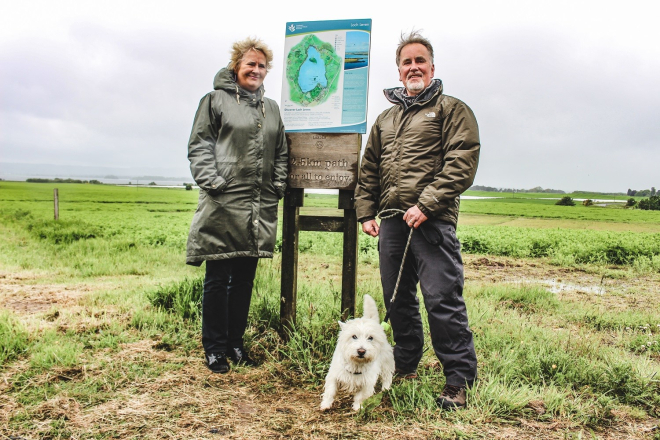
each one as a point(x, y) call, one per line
point(564, 246)
point(63, 231)
point(184, 298)
point(13, 337)
point(529, 299)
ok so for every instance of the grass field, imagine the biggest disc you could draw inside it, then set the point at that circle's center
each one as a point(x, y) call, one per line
point(99, 325)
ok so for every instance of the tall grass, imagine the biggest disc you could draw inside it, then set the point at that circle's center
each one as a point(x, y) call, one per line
point(523, 356)
point(538, 350)
point(13, 337)
point(124, 225)
point(535, 207)
point(183, 298)
point(564, 246)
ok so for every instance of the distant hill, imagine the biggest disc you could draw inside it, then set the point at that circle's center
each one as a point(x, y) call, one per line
point(538, 189)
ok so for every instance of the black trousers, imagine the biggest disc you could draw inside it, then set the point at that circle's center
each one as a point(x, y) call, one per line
point(434, 260)
point(226, 303)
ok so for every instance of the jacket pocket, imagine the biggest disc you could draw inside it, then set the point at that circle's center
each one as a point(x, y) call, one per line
point(432, 233)
point(227, 168)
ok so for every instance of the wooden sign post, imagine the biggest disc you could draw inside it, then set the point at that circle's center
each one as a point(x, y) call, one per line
point(323, 161)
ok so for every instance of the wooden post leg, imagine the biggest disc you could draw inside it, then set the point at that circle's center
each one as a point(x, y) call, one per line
point(349, 271)
point(289, 283)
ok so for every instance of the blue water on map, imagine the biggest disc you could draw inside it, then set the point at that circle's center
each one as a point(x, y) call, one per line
point(312, 71)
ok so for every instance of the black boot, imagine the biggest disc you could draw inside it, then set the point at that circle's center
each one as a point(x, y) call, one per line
point(239, 357)
point(217, 362)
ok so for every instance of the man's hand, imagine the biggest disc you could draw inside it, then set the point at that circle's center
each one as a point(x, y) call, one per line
point(370, 227)
point(414, 217)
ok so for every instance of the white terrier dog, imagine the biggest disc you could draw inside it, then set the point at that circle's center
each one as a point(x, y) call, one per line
point(361, 357)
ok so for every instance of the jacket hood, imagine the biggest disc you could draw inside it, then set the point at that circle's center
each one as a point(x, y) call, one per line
point(225, 80)
point(397, 95)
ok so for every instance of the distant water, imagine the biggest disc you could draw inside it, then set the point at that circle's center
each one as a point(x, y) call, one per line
point(355, 61)
point(168, 181)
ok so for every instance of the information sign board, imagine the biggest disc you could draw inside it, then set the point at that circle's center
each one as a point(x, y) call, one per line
point(326, 76)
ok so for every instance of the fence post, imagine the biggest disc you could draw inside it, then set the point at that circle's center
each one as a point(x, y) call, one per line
point(56, 201)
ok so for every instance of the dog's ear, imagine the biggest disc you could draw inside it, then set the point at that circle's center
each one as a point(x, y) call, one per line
point(341, 325)
point(370, 308)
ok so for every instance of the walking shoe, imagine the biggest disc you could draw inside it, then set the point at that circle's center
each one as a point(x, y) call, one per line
point(452, 397)
point(217, 362)
point(239, 357)
point(402, 375)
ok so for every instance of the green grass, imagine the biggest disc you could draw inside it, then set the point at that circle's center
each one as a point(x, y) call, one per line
point(575, 360)
point(13, 337)
point(538, 361)
point(622, 198)
point(101, 220)
point(565, 246)
point(546, 208)
point(524, 355)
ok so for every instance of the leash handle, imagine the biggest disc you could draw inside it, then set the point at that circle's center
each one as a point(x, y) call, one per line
point(403, 260)
point(393, 213)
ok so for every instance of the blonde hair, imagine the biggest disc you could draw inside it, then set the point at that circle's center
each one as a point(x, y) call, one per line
point(240, 48)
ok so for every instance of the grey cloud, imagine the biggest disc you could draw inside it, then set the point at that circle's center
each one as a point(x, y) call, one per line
point(555, 109)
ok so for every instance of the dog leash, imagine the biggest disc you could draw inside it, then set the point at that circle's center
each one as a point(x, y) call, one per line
point(385, 214)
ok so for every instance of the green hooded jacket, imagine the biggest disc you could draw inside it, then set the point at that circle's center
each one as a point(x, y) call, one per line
point(422, 151)
point(238, 157)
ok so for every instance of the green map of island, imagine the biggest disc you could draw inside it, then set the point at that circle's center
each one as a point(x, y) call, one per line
point(312, 70)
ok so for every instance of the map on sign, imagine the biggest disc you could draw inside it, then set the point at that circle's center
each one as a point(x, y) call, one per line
point(326, 72)
point(312, 70)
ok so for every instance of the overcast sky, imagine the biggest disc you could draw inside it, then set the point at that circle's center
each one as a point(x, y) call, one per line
point(566, 93)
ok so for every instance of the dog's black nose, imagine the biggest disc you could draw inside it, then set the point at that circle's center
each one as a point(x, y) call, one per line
point(361, 352)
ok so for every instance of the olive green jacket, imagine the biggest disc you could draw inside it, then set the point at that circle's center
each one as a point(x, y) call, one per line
point(423, 153)
point(238, 157)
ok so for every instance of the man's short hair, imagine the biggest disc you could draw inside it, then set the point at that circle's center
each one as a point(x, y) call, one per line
point(411, 38)
point(240, 48)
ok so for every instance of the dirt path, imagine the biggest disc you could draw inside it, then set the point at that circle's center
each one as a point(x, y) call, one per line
point(28, 293)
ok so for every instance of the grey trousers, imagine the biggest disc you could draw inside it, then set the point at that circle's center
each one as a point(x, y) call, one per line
point(434, 260)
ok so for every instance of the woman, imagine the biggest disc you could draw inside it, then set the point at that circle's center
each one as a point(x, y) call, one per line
point(238, 157)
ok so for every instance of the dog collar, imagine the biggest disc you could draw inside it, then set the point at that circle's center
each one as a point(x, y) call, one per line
point(353, 372)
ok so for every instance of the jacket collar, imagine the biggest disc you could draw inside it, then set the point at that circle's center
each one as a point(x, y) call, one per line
point(398, 96)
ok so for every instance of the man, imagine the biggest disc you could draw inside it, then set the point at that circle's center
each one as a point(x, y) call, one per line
point(421, 155)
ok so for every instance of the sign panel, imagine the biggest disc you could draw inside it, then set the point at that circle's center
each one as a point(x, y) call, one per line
point(326, 76)
point(323, 160)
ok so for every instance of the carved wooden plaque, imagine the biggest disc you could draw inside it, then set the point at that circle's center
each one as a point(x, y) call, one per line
point(323, 160)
